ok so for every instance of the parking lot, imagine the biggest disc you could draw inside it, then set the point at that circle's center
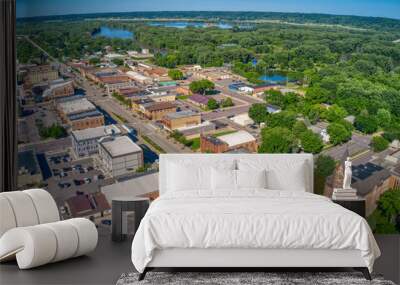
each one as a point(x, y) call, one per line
point(44, 114)
point(71, 177)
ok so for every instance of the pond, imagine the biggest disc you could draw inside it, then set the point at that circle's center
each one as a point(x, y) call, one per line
point(184, 24)
point(275, 78)
point(112, 33)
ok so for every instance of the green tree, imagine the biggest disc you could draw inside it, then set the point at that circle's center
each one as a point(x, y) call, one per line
point(324, 165)
point(202, 86)
point(276, 140)
point(379, 143)
point(284, 119)
point(212, 104)
point(311, 143)
point(175, 74)
point(366, 124)
point(384, 118)
point(94, 60)
point(335, 113)
point(338, 133)
point(258, 113)
point(118, 61)
point(227, 102)
point(298, 128)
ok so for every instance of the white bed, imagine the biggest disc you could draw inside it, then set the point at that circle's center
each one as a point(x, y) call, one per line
point(248, 227)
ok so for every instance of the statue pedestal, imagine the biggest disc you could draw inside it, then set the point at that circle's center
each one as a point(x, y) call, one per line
point(344, 194)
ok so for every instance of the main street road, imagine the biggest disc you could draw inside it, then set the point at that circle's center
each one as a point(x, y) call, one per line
point(146, 128)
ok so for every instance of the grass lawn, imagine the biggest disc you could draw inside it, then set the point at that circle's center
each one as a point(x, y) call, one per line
point(194, 143)
point(182, 97)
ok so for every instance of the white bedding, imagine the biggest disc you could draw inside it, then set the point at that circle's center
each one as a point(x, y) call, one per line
point(250, 219)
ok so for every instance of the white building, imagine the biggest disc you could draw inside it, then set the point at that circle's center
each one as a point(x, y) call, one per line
point(138, 77)
point(85, 142)
point(246, 89)
point(111, 56)
point(243, 119)
point(120, 155)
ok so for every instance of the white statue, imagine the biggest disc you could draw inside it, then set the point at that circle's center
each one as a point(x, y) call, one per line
point(347, 174)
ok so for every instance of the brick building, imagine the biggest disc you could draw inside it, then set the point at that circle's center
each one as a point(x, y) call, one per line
point(229, 142)
point(40, 73)
point(79, 113)
point(157, 110)
point(183, 119)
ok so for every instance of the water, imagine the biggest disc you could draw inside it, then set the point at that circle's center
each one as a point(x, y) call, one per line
point(113, 33)
point(274, 78)
point(183, 24)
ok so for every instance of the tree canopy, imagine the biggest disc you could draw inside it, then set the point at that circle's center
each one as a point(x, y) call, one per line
point(201, 86)
point(276, 140)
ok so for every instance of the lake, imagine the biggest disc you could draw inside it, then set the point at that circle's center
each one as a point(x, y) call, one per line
point(113, 33)
point(276, 78)
point(183, 24)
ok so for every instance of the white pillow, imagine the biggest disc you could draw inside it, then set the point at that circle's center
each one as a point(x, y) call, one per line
point(223, 179)
point(282, 174)
point(186, 176)
point(251, 178)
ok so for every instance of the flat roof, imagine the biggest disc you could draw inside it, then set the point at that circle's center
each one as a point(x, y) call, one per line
point(78, 116)
point(182, 114)
point(156, 106)
point(133, 187)
point(95, 133)
point(119, 146)
point(237, 138)
point(76, 105)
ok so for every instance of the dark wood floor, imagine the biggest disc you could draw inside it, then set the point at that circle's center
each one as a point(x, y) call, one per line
point(110, 260)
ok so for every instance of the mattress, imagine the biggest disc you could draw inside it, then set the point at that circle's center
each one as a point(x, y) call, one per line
point(250, 219)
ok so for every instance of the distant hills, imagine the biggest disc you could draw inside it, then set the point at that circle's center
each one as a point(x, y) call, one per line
point(354, 21)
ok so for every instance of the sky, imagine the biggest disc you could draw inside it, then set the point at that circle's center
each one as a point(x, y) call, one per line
point(377, 8)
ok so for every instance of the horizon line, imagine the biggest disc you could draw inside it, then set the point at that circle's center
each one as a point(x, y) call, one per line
point(221, 11)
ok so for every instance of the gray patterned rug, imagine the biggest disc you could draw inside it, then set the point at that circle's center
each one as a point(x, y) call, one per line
point(244, 278)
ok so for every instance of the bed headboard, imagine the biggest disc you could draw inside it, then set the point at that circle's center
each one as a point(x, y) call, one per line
point(207, 159)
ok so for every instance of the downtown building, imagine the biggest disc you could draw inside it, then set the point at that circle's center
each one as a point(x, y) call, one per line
point(120, 156)
point(79, 113)
point(86, 142)
point(240, 140)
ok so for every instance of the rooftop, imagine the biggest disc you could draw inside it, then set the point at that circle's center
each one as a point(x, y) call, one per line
point(118, 146)
point(114, 79)
point(76, 104)
point(367, 176)
point(81, 115)
point(89, 204)
point(237, 138)
point(95, 133)
point(137, 186)
point(156, 106)
point(199, 99)
point(182, 114)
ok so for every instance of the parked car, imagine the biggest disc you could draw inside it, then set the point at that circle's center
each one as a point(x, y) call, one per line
point(90, 168)
point(106, 222)
point(78, 182)
point(63, 174)
point(67, 169)
point(100, 176)
point(87, 180)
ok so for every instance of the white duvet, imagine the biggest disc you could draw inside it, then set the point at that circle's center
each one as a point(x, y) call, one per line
point(250, 219)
